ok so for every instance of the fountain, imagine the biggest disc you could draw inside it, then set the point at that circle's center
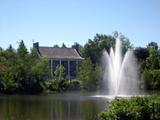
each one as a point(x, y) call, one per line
point(120, 72)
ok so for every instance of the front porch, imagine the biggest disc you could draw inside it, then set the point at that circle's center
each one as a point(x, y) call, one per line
point(70, 65)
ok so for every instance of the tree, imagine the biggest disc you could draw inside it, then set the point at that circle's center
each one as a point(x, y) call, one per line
point(22, 72)
point(152, 45)
point(141, 53)
point(153, 61)
point(33, 57)
point(22, 50)
point(93, 48)
point(88, 75)
point(151, 74)
point(1, 49)
point(40, 70)
point(23, 66)
point(125, 41)
point(63, 45)
point(56, 46)
point(9, 64)
point(38, 74)
point(78, 47)
point(151, 79)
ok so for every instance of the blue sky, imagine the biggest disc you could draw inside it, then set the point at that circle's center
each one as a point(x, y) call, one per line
point(56, 21)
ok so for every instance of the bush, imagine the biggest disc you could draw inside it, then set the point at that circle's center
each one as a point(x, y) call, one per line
point(59, 83)
point(74, 85)
point(55, 85)
point(135, 108)
point(65, 84)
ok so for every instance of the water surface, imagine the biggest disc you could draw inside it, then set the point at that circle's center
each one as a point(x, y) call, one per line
point(66, 106)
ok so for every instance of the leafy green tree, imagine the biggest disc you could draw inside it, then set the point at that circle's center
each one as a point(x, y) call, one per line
point(93, 48)
point(88, 75)
point(151, 74)
point(39, 72)
point(22, 72)
point(151, 79)
point(141, 53)
point(152, 45)
point(125, 41)
point(9, 64)
point(153, 61)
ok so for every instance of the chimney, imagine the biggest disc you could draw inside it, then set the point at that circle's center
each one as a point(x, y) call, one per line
point(36, 45)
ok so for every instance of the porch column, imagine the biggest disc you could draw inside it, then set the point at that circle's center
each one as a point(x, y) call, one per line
point(51, 68)
point(76, 65)
point(69, 69)
point(60, 62)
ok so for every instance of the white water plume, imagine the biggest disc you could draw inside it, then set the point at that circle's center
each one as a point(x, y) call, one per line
point(120, 73)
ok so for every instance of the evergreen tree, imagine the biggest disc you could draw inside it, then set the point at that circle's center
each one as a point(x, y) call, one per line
point(22, 50)
point(63, 45)
point(78, 47)
point(55, 46)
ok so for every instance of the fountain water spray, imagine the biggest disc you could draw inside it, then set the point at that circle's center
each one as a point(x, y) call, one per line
point(120, 74)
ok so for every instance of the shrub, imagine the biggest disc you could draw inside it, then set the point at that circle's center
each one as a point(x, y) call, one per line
point(59, 83)
point(135, 108)
point(74, 85)
point(55, 85)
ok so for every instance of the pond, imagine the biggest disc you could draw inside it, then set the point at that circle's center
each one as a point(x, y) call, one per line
point(64, 106)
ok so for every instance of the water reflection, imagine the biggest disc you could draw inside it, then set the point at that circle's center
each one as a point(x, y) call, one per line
point(68, 106)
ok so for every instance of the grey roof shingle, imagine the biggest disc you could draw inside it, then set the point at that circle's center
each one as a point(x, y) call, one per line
point(59, 53)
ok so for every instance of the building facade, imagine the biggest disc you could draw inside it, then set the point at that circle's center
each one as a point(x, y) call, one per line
point(69, 58)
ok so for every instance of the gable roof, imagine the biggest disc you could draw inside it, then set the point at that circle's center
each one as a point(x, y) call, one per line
point(59, 53)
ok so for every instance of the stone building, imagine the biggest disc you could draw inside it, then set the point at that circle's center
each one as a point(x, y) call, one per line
point(67, 57)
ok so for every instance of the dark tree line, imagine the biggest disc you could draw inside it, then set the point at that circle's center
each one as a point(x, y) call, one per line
point(149, 57)
point(21, 71)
